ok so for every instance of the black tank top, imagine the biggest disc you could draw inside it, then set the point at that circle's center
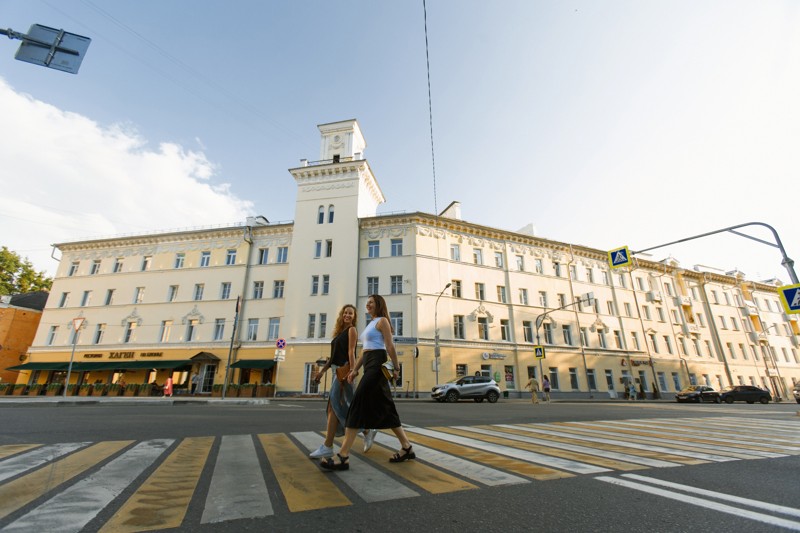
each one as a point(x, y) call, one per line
point(339, 347)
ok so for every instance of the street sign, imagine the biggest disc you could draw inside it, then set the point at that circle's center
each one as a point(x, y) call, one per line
point(621, 257)
point(281, 344)
point(280, 353)
point(77, 323)
point(538, 352)
point(279, 358)
point(790, 298)
point(49, 47)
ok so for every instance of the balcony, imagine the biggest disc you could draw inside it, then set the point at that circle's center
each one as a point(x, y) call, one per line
point(653, 296)
point(683, 300)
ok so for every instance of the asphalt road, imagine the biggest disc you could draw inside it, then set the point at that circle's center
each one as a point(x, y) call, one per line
point(748, 487)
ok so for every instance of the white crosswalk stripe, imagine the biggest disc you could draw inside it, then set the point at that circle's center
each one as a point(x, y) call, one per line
point(14, 466)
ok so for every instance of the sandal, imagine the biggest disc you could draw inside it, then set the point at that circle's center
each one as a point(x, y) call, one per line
point(330, 464)
point(407, 454)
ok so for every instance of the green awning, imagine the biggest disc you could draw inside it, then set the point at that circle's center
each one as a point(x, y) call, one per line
point(133, 365)
point(53, 365)
point(263, 364)
point(94, 365)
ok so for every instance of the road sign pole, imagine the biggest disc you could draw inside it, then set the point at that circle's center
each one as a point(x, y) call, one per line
point(77, 323)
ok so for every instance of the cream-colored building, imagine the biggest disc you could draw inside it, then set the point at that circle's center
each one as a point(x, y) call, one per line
point(165, 304)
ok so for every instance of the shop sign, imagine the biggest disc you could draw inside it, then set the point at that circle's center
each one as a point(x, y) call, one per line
point(120, 355)
point(151, 354)
point(92, 356)
point(492, 355)
point(640, 362)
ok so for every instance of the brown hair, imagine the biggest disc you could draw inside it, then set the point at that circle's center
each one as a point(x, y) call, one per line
point(339, 327)
point(380, 309)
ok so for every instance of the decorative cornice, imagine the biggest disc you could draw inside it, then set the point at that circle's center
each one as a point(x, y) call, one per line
point(194, 313)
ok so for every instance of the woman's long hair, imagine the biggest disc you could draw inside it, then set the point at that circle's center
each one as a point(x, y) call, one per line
point(380, 309)
point(339, 327)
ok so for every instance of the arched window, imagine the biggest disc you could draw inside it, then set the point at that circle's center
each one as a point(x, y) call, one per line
point(330, 214)
point(321, 214)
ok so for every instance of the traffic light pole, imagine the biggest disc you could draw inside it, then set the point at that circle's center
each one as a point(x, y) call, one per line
point(586, 298)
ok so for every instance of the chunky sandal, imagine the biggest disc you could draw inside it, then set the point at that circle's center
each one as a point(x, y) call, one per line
point(407, 454)
point(330, 464)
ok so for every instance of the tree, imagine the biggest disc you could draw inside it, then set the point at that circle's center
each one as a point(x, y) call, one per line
point(18, 276)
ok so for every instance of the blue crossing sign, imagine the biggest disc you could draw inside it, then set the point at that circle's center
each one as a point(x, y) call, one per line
point(538, 352)
point(790, 298)
point(621, 257)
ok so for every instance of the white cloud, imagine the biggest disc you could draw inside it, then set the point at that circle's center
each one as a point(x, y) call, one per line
point(65, 177)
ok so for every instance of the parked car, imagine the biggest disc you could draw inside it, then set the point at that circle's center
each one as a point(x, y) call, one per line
point(744, 393)
point(477, 388)
point(698, 393)
point(796, 392)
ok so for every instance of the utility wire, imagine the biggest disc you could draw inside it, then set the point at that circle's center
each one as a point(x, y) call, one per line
point(430, 106)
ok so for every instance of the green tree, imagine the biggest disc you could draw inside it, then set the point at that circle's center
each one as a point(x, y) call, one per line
point(17, 274)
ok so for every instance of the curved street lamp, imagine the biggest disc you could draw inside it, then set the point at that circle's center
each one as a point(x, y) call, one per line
point(436, 333)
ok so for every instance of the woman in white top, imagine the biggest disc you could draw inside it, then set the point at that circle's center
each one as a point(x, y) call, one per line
point(372, 405)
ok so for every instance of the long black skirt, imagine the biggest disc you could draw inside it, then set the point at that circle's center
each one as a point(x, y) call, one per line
point(372, 405)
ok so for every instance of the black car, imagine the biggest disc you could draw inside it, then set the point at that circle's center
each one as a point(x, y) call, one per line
point(744, 393)
point(698, 393)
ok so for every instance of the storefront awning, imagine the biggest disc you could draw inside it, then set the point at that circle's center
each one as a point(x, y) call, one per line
point(54, 365)
point(263, 364)
point(133, 365)
point(81, 366)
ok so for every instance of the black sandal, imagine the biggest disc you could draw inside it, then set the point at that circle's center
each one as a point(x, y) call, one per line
point(330, 464)
point(399, 458)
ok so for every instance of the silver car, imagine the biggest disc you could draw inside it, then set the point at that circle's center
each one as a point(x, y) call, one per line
point(477, 388)
point(796, 392)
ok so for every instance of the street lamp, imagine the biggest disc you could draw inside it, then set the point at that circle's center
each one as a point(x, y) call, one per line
point(436, 332)
point(768, 354)
point(586, 298)
point(77, 323)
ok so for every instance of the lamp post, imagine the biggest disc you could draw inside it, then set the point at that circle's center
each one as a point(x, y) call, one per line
point(768, 354)
point(436, 332)
point(77, 323)
point(586, 298)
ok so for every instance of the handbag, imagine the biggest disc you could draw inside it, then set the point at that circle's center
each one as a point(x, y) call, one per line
point(342, 372)
point(387, 368)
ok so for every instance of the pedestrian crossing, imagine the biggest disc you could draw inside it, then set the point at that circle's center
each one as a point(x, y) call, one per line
point(155, 484)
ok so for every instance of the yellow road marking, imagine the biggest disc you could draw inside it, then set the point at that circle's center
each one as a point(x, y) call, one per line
point(304, 485)
point(498, 461)
point(162, 500)
point(20, 492)
point(13, 449)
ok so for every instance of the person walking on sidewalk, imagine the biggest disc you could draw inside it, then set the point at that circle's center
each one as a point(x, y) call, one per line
point(372, 405)
point(342, 359)
point(546, 389)
point(533, 385)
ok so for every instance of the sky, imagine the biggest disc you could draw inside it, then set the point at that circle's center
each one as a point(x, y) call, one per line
point(602, 123)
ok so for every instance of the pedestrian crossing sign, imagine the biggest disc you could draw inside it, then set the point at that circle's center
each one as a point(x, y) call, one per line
point(538, 351)
point(621, 257)
point(790, 298)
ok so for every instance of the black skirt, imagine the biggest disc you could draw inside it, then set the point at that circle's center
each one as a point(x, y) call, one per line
point(373, 407)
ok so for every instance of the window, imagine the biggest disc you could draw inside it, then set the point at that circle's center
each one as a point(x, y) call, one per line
point(130, 327)
point(557, 269)
point(99, 333)
point(480, 291)
point(458, 326)
point(328, 248)
point(498, 260)
point(538, 266)
point(573, 272)
point(263, 256)
point(520, 263)
point(722, 322)
point(321, 215)
point(682, 347)
point(323, 325)
point(660, 312)
point(584, 337)
point(312, 326)
point(668, 288)
point(166, 328)
point(501, 294)
point(109, 296)
point(373, 249)
point(274, 328)
point(562, 300)
point(622, 282)
point(225, 290)
point(172, 293)
point(477, 256)
point(138, 295)
point(605, 277)
point(701, 319)
point(396, 284)
point(628, 310)
point(179, 259)
point(283, 254)
point(205, 259)
point(455, 288)
point(219, 328)
point(118, 265)
point(505, 333)
point(554, 378)
point(566, 332)
point(372, 285)
point(675, 317)
point(277, 289)
point(601, 338)
point(146, 261)
point(542, 299)
point(744, 351)
point(397, 247)
point(527, 330)
point(676, 381)
point(87, 296)
point(73, 268)
point(258, 290)
point(523, 296)
point(252, 329)
point(668, 342)
point(230, 257)
point(483, 328)
point(95, 267)
point(547, 327)
point(396, 318)
point(326, 283)
point(653, 342)
point(646, 312)
point(590, 275)
point(591, 380)
point(708, 349)
point(330, 214)
point(455, 252)
point(610, 306)
point(315, 285)
point(573, 378)
point(635, 339)
point(610, 379)
point(198, 291)
point(640, 284)
point(662, 381)
point(317, 249)
point(51, 335)
point(618, 339)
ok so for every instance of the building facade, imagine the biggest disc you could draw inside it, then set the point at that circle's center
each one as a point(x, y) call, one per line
point(19, 319)
point(216, 301)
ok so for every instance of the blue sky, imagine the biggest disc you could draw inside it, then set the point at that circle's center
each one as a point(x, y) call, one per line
point(601, 123)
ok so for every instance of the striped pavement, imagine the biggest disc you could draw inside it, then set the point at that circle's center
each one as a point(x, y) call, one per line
point(151, 485)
